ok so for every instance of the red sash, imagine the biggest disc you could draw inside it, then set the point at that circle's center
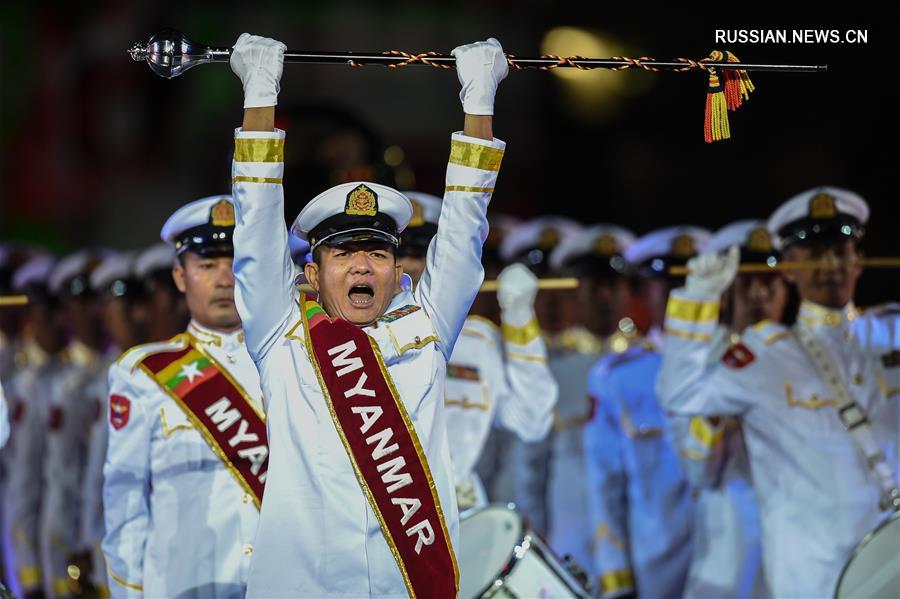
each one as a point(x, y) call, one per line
point(219, 408)
point(384, 449)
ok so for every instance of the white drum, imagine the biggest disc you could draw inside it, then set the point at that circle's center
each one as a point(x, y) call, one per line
point(874, 568)
point(500, 556)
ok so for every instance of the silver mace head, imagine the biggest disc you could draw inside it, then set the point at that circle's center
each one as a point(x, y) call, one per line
point(170, 53)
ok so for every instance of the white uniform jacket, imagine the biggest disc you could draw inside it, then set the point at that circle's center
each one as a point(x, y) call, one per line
point(495, 377)
point(178, 524)
point(816, 496)
point(318, 535)
point(727, 559)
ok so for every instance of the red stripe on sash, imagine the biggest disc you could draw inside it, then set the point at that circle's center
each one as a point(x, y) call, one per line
point(220, 409)
point(384, 449)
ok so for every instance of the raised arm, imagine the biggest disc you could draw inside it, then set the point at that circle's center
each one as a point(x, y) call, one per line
point(526, 407)
point(453, 271)
point(262, 262)
point(692, 380)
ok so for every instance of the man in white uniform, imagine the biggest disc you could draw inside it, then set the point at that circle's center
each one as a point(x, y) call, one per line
point(496, 374)
point(69, 413)
point(727, 559)
point(811, 397)
point(187, 455)
point(360, 499)
point(30, 391)
point(594, 255)
point(522, 470)
point(117, 291)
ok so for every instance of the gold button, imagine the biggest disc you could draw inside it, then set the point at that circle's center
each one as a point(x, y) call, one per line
point(248, 549)
point(246, 498)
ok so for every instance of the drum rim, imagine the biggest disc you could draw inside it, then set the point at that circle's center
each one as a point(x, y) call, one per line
point(529, 541)
point(510, 563)
point(859, 547)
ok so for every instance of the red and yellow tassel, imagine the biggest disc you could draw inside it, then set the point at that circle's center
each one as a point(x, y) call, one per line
point(725, 93)
point(737, 84)
point(715, 126)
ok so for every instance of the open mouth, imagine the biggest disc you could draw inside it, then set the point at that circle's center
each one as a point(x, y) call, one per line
point(361, 296)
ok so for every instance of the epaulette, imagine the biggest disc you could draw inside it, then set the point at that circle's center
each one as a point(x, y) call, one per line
point(769, 332)
point(620, 342)
point(482, 328)
point(133, 357)
point(487, 322)
point(582, 341)
point(399, 313)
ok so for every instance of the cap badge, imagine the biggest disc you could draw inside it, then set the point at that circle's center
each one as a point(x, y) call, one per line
point(222, 214)
point(605, 245)
point(759, 240)
point(822, 205)
point(418, 218)
point(549, 238)
point(683, 246)
point(361, 201)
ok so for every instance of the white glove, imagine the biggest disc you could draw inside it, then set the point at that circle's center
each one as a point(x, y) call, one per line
point(711, 274)
point(516, 290)
point(258, 61)
point(480, 67)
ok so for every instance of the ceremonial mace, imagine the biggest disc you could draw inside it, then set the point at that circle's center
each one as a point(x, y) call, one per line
point(170, 53)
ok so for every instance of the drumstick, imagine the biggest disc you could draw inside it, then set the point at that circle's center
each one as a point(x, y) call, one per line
point(753, 267)
point(13, 300)
point(547, 284)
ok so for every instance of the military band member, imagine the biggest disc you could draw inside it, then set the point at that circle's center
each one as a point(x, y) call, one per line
point(523, 468)
point(495, 374)
point(813, 398)
point(187, 457)
point(360, 500)
point(37, 365)
point(12, 256)
point(69, 413)
point(727, 559)
point(593, 255)
point(639, 501)
point(117, 290)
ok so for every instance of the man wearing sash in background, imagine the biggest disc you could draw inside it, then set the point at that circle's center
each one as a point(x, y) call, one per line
point(817, 401)
point(360, 499)
point(187, 456)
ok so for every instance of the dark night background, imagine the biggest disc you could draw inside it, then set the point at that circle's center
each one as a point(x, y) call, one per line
point(96, 150)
